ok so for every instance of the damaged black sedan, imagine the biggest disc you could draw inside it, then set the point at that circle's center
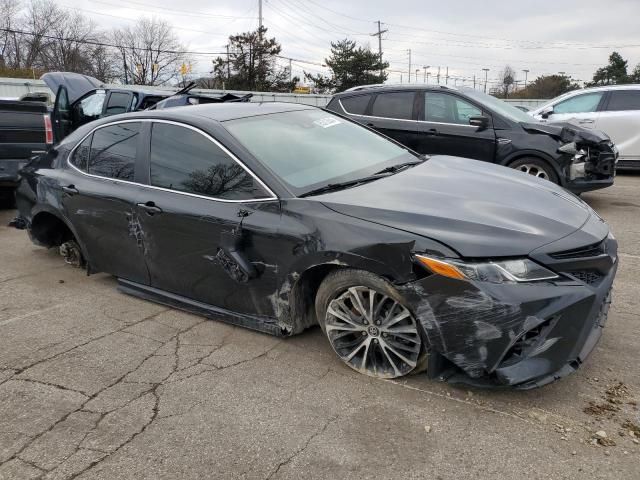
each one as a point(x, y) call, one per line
point(278, 217)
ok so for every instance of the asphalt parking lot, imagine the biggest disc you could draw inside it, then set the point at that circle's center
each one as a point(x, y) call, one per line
point(97, 384)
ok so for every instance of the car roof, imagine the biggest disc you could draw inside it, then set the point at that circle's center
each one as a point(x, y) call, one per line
point(397, 86)
point(219, 112)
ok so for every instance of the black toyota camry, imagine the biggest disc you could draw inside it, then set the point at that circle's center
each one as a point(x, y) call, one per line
point(278, 217)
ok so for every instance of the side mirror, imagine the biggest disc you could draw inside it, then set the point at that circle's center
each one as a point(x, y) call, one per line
point(547, 112)
point(480, 121)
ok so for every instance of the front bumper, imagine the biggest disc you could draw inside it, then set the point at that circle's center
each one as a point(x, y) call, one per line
point(516, 335)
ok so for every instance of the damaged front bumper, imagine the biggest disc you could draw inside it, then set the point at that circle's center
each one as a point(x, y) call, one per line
point(592, 167)
point(517, 335)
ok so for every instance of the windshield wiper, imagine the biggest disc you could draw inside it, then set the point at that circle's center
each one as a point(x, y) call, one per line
point(401, 166)
point(341, 185)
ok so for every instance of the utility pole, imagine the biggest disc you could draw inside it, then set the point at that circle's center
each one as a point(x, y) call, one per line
point(417, 72)
point(474, 81)
point(428, 73)
point(228, 64)
point(424, 80)
point(438, 75)
point(401, 78)
point(409, 52)
point(290, 74)
point(259, 14)
point(526, 74)
point(379, 35)
point(446, 77)
point(486, 72)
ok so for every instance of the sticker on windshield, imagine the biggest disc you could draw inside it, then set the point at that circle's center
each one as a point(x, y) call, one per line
point(327, 122)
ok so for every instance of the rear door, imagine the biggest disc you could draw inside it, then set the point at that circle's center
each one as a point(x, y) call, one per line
point(198, 195)
point(100, 195)
point(395, 115)
point(620, 119)
point(445, 129)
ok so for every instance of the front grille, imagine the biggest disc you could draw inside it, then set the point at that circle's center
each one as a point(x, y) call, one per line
point(589, 277)
point(589, 251)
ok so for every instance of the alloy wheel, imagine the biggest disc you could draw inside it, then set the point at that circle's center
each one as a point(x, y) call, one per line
point(534, 170)
point(373, 333)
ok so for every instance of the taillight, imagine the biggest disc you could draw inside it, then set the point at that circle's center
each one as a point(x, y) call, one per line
point(48, 130)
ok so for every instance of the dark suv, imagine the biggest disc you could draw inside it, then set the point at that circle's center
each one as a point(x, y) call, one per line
point(468, 123)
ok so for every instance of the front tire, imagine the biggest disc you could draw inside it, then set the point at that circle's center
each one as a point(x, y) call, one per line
point(368, 325)
point(536, 167)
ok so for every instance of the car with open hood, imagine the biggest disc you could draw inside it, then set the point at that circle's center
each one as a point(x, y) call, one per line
point(438, 119)
point(278, 217)
point(81, 99)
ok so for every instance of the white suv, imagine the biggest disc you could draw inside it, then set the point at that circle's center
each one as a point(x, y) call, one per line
point(614, 109)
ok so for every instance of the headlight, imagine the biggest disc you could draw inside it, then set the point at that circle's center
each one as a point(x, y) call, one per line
point(508, 271)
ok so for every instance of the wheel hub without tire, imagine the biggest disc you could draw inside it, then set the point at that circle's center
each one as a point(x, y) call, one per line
point(373, 333)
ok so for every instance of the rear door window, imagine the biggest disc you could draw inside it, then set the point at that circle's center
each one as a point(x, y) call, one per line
point(183, 159)
point(622, 100)
point(584, 103)
point(119, 102)
point(113, 151)
point(80, 157)
point(356, 105)
point(394, 105)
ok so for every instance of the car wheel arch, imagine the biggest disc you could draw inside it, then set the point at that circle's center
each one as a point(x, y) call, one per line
point(538, 156)
point(50, 229)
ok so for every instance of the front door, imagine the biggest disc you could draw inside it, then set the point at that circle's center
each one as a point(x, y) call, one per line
point(446, 130)
point(99, 196)
point(580, 110)
point(191, 214)
point(61, 115)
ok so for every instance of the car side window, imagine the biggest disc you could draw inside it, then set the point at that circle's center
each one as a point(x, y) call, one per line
point(444, 108)
point(393, 105)
point(584, 103)
point(622, 100)
point(356, 105)
point(119, 102)
point(183, 159)
point(80, 157)
point(113, 151)
point(90, 108)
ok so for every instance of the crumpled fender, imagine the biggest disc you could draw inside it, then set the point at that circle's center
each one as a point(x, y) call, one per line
point(567, 132)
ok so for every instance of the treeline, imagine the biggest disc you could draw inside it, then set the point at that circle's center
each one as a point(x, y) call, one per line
point(40, 36)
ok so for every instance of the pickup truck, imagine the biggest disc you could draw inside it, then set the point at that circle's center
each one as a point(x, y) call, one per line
point(25, 131)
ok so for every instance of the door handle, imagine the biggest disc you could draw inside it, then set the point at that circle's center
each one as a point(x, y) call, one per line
point(431, 131)
point(70, 190)
point(586, 121)
point(150, 208)
point(370, 125)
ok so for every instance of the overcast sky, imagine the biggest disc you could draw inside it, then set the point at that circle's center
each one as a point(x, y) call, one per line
point(543, 36)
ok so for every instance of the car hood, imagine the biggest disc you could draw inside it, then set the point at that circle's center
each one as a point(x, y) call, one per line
point(476, 208)
point(567, 132)
point(77, 84)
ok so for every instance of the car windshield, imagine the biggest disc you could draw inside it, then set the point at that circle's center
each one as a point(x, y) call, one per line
point(499, 106)
point(309, 149)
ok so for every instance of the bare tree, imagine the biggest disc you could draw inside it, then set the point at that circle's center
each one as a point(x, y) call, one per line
point(507, 81)
point(9, 20)
point(150, 52)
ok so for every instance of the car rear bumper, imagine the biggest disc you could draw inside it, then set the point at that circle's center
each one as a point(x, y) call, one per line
point(515, 335)
point(9, 172)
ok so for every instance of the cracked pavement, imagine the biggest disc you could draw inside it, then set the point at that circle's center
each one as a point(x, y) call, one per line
point(95, 384)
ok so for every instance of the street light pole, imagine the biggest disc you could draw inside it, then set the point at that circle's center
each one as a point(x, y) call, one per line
point(486, 72)
point(526, 74)
point(417, 72)
point(424, 80)
point(409, 78)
